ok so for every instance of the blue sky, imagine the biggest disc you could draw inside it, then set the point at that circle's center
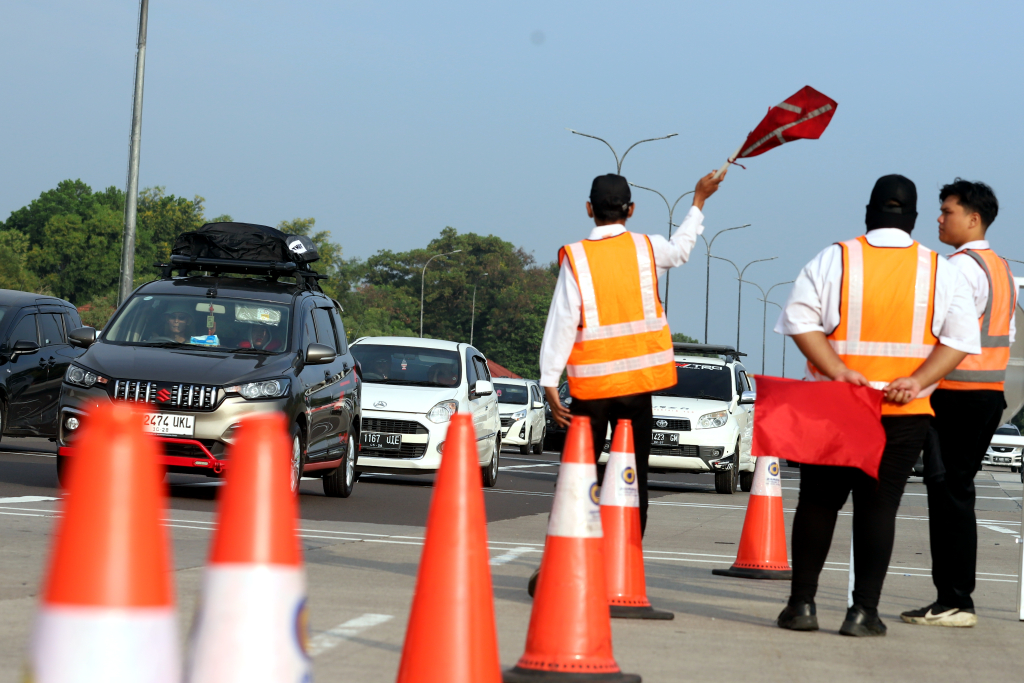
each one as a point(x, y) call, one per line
point(387, 121)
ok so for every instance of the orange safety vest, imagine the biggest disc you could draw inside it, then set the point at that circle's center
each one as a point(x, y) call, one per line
point(987, 370)
point(623, 345)
point(885, 316)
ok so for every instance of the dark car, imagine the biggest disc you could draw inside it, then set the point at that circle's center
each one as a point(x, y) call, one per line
point(202, 351)
point(34, 355)
point(554, 436)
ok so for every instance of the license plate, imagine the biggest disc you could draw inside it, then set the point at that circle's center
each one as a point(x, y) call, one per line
point(169, 424)
point(382, 442)
point(1002, 459)
point(664, 437)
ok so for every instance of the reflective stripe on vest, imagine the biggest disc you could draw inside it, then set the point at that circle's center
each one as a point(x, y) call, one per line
point(987, 370)
point(898, 327)
point(623, 345)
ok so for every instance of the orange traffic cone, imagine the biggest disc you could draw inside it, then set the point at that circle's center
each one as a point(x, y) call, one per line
point(452, 634)
point(570, 629)
point(251, 622)
point(620, 521)
point(762, 551)
point(107, 612)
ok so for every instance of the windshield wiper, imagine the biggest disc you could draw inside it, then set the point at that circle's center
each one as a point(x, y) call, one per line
point(405, 382)
point(261, 352)
point(166, 345)
point(709, 397)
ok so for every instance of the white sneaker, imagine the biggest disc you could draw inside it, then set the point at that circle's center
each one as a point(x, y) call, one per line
point(940, 615)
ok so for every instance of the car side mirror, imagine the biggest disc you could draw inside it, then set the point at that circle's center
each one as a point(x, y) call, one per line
point(319, 354)
point(747, 398)
point(83, 337)
point(483, 388)
point(24, 346)
point(537, 405)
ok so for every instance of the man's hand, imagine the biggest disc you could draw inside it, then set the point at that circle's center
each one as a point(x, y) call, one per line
point(902, 390)
point(706, 186)
point(852, 377)
point(559, 413)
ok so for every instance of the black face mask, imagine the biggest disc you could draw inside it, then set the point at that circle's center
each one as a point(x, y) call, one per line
point(892, 188)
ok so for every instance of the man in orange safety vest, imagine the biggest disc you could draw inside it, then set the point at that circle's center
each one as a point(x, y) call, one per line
point(968, 404)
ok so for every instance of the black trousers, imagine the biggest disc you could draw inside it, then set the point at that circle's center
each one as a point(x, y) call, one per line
point(637, 409)
point(965, 422)
point(823, 492)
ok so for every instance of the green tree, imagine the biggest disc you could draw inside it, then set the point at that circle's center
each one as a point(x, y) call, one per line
point(161, 218)
point(79, 257)
point(682, 338)
point(70, 197)
point(14, 270)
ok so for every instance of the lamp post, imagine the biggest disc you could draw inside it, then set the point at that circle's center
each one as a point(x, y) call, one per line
point(423, 276)
point(472, 315)
point(783, 343)
point(739, 296)
point(618, 161)
point(764, 313)
point(671, 209)
point(707, 274)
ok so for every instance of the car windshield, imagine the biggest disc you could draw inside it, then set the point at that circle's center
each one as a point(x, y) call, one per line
point(512, 393)
point(1008, 430)
point(222, 324)
point(700, 380)
point(408, 365)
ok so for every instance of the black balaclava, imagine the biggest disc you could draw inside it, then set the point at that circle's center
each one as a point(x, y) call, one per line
point(892, 188)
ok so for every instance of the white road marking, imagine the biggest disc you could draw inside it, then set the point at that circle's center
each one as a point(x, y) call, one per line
point(26, 499)
point(512, 554)
point(330, 639)
point(523, 467)
point(1002, 530)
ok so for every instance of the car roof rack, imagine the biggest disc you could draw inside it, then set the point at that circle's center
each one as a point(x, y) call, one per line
point(183, 265)
point(727, 351)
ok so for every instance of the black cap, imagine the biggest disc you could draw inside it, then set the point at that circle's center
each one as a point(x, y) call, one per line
point(893, 203)
point(610, 192)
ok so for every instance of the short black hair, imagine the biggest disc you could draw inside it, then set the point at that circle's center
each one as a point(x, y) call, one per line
point(611, 213)
point(974, 197)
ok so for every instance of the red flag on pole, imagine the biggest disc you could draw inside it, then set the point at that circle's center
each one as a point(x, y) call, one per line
point(804, 115)
point(819, 423)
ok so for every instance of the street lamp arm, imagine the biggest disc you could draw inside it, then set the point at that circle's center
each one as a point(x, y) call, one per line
point(672, 210)
point(738, 275)
point(423, 278)
point(755, 261)
point(663, 137)
point(777, 284)
point(618, 164)
point(738, 227)
point(655, 192)
point(756, 285)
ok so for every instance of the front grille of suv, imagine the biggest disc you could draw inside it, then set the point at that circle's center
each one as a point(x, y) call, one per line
point(182, 396)
point(373, 424)
point(408, 450)
point(684, 451)
point(506, 422)
point(681, 425)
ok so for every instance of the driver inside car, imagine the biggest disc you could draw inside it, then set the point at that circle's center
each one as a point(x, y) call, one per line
point(443, 374)
point(380, 368)
point(177, 324)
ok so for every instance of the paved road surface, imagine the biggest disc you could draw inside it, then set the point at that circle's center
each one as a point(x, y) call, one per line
point(362, 553)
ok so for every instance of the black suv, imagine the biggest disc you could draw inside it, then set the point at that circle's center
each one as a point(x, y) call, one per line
point(203, 350)
point(33, 358)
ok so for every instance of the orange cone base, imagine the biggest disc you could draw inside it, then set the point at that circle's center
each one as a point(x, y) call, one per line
point(639, 612)
point(748, 573)
point(519, 674)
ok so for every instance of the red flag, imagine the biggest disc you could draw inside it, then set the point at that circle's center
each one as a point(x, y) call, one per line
point(805, 115)
point(819, 423)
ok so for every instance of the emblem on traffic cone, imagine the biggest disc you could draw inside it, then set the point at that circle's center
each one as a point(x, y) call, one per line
point(762, 551)
point(452, 634)
point(620, 522)
point(570, 629)
point(250, 624)
point(107, 612)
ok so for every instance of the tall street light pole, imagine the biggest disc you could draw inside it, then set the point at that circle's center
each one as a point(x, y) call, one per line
point(423, 277)
point(764, 313)
point(472, 315)
point(707, 274)
point(124, 287)
point(739, 295)
point(671, 209)
point(783, 343)
point(618, 161)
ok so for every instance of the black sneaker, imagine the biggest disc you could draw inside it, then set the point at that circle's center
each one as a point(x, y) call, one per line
point(531, 587)
point(940, 615)
point(803, 616)
point(861, 622)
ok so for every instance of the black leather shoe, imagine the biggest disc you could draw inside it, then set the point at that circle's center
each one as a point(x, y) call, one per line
point(802, 616)
point(860, 622)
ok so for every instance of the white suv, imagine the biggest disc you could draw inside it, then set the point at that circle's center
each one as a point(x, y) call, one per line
point(521, 407)
point(411, 389)
point(705, 423)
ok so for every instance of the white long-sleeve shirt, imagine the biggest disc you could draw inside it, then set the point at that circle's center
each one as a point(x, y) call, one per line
point(566, 304)
point(813, 304)
point(975, 277)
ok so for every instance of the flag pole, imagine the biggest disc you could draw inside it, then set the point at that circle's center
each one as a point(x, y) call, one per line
point(731, 159)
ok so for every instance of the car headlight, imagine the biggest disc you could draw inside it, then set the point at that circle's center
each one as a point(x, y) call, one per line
point(713, 420)
point(81, 377)
point(443, 411)
point(521, 415)
point(268, 388)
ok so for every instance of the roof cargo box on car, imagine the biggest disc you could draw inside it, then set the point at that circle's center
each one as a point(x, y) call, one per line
point(246, 242)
